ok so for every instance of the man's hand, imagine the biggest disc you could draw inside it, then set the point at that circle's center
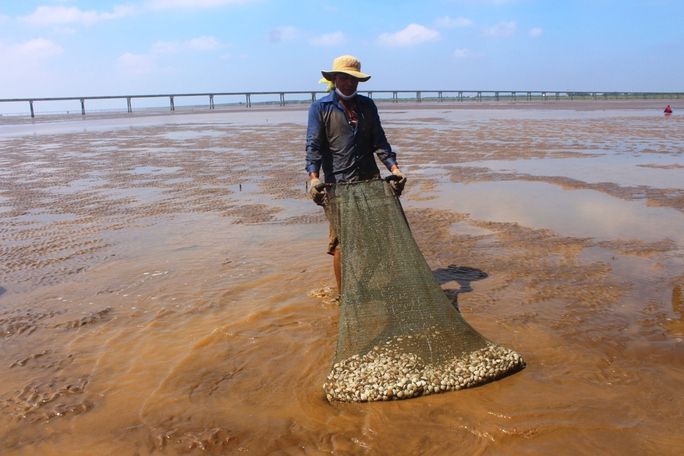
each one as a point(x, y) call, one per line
point(317, 195)
point(399, 184)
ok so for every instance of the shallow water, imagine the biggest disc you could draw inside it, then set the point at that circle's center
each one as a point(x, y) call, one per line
point(165, 288)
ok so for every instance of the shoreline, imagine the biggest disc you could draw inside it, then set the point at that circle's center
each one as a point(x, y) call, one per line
point(383, 105)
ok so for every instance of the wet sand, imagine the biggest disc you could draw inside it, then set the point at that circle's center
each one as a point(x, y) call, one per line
point(165, 288)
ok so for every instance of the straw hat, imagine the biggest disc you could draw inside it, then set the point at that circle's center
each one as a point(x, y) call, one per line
point(346, 64)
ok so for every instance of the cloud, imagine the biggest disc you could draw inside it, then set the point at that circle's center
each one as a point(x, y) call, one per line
point(28, 67)
point(64, 30)
point(411, 35)
point(168, 4)
point(136, 65)
point(328, 39)
point(478, 3)
point(166, 47)
point(463, 53)
point(284, 34)
point(56, 15)
point(501, 29)
point(32, 51)
point(203, 43)
point(130, 64)
point(536, 31)
point(447, 22)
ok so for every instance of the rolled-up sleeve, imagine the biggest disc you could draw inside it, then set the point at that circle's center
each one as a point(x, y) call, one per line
point(315, 137)
point(381, 146)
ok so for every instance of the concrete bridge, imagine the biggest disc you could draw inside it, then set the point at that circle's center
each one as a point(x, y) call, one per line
point(285, 97)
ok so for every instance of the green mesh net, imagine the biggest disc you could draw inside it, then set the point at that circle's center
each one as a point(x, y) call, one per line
point(400, 336)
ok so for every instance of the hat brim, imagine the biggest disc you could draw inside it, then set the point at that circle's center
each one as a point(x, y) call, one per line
point(330, 75)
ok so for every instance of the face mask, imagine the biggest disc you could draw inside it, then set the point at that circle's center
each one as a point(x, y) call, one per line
point(344, 97)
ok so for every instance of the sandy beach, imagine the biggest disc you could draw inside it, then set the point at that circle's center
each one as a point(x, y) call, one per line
point(164, 287)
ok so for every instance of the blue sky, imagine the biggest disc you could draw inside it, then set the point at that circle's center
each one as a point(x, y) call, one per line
point(85, 48)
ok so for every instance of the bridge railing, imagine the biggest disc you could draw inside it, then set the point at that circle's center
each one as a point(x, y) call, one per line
point(283, 98)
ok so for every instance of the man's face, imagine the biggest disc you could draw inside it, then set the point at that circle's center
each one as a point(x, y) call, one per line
point(346, 83)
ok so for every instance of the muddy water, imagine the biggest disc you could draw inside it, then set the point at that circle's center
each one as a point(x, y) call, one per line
point(164, 287)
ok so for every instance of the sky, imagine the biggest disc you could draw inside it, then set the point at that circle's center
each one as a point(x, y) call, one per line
point(73, 48)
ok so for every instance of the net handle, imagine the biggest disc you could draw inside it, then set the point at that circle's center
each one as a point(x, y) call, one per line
point(389, 178)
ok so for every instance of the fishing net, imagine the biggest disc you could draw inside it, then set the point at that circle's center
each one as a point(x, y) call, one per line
point(399, 334)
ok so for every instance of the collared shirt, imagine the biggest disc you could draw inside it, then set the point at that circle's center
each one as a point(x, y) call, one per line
point(344, 151)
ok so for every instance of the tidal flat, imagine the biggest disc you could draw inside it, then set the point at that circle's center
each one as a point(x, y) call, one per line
point(165, 287)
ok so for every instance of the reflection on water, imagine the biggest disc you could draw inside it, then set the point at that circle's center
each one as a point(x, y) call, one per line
point(677, 301)
point(577, 212)
point(160, 299)
point(660, 171)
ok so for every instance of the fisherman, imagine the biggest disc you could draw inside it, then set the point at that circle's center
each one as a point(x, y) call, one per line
point(343, 134)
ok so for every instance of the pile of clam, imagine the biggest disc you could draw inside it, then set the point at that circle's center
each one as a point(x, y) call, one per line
point(385, 374)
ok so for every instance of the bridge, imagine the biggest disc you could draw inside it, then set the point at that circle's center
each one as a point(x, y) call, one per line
point(283, 98)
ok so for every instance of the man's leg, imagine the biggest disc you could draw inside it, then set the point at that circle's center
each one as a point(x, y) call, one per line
point(338, 270)
point(334, 248)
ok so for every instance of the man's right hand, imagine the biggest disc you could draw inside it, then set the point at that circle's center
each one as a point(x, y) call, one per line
point(317, 195)
point(399, 184)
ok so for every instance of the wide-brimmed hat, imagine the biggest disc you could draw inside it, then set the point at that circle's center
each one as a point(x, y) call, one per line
point(346, 64)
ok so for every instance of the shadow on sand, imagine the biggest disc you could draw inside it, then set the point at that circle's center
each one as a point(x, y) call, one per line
point(462, 275)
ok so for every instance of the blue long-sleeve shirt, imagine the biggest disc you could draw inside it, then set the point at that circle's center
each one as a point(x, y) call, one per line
point(345, 153)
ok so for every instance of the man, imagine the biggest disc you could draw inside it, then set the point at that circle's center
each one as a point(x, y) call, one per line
point(343, 135)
